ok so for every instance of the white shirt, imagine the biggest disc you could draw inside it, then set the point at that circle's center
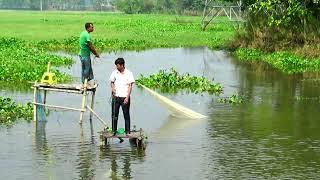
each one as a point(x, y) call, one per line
point(121, 81)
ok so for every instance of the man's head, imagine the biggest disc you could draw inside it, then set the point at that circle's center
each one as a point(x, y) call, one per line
point(89, 27)
point(119, 64)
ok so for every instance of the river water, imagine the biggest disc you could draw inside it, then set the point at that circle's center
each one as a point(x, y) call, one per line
point(274, 134)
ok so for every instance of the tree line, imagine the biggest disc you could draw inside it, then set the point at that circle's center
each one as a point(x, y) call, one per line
point(54, 4)
point(127, 6)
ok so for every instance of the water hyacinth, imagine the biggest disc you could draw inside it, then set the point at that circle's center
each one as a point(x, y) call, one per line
point(172, 81)
point(11, 111)
point(21, 62)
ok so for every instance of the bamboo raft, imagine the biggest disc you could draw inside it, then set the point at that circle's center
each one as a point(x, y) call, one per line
point(136, 137)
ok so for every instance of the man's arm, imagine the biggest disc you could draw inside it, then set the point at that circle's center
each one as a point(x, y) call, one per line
point(129, 89)
point(92, 49)
point(113, 90)
point(126, 100)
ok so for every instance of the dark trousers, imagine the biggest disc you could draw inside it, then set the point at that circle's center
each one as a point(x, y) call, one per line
point(116, 103)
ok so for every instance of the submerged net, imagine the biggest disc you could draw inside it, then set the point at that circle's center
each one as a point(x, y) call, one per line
point(41, 114)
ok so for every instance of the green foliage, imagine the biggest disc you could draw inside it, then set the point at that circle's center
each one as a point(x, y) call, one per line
point(10, 111)
point(71, 44)
point(172, 81)
point(274, 25)
point(282, 60)
point(20, 61)
point(281, 13)
point(135, 6)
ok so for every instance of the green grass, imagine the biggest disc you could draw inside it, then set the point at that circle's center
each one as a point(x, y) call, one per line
point(55, 30)
point(284, 61)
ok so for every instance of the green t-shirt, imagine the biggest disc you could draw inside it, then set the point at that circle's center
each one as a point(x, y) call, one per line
point(84, 48)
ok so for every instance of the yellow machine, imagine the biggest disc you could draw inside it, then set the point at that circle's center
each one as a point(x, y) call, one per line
point(49, 77)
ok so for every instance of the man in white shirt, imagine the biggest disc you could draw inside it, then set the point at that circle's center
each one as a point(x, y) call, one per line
point(121, 83)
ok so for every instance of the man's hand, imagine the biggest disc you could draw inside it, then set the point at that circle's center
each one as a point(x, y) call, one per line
point(113, 91)
point(126, 100)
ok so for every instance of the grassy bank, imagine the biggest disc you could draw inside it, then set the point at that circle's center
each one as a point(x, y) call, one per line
point(285, 61)
point(285, 50)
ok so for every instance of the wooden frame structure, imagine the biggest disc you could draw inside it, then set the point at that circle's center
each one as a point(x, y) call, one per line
point(67, 88)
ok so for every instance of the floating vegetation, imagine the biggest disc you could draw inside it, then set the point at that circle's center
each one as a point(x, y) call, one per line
point(172, 81)
point(234, 99)
point(11, 111)
point(21, 62)
point(71, 44)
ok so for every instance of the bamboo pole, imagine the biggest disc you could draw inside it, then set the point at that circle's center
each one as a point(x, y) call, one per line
point(35, 89)
point(45, 97)
point(59, 107)
point(61, 90)
point(99, 118)
point(92, 104)
point(84, 99)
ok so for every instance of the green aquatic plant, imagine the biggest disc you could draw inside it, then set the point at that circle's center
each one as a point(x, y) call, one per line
point(283, 60)
point(172, 81)
point(21, 62)
point(11, 111)
point(234, 99)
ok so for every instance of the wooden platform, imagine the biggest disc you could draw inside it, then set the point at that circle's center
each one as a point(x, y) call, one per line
point(136, 137)
point(65, 87)
point(83, 89)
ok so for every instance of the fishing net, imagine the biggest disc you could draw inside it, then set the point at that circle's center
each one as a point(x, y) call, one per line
point(41, 114)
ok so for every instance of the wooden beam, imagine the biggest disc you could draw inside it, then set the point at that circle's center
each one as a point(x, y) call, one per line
point(58, 107)
point(99, 118)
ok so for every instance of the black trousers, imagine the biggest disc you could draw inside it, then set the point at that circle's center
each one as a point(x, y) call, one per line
point(116, 103)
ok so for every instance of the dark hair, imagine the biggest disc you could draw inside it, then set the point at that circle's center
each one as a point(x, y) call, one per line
point(87, 25)
point(119, 61)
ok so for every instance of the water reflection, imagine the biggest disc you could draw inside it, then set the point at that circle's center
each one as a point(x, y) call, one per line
point(87, 157)
point(41, 142)
point(121, 160)
point(270, 135)
point(44, 152)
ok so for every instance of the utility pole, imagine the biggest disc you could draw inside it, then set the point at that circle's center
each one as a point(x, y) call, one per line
point(40, 5)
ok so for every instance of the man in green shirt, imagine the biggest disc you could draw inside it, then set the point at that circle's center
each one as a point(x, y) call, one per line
point(85, 48)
